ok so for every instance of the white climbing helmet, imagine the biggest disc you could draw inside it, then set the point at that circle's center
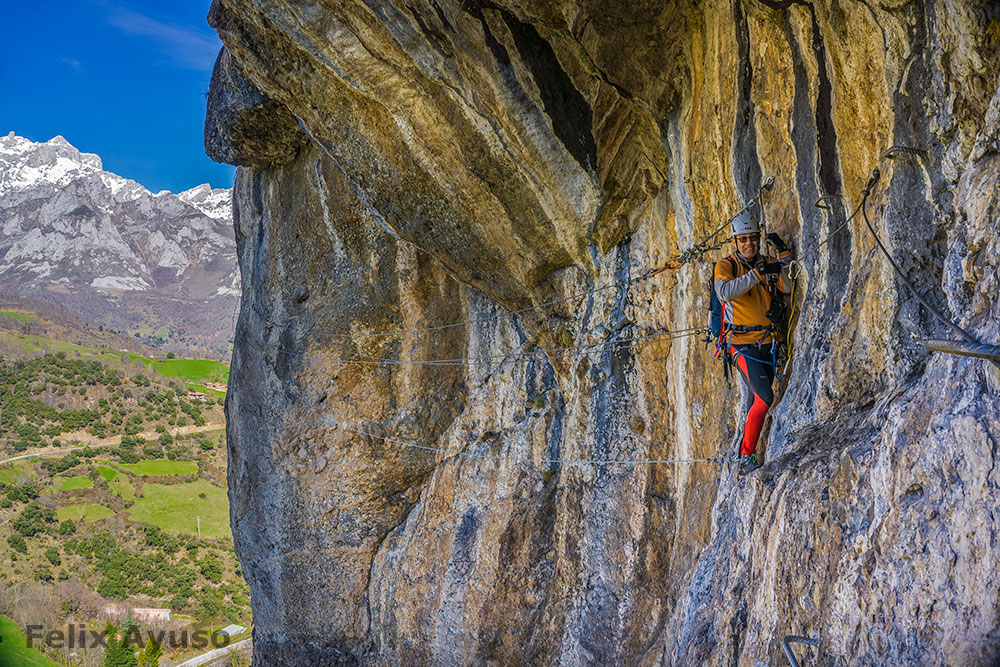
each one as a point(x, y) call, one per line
point(745, 222)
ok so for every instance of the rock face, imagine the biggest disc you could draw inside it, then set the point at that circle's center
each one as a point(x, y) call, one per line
point(519, 499)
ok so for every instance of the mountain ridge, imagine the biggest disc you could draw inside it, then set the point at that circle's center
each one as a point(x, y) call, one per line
point(149, 264)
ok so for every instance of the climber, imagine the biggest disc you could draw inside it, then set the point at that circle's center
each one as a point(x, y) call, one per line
point(747, 283)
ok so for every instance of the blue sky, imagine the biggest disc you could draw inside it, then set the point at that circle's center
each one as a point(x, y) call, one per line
point(123, 79)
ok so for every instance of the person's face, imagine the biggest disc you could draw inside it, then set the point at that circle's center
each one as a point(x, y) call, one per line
point(747, 245)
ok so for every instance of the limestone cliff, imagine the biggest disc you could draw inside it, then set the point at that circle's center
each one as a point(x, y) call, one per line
point(410, 165)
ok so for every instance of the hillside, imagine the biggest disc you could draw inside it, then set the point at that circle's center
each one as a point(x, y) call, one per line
point(21, 317)
point(128, 501)
point(159, 268)
point(471, 420)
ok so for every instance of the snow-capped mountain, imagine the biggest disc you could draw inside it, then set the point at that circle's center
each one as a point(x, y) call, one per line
point(113, 251)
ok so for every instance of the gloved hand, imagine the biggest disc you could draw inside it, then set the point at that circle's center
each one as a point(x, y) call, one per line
point(769, 268)
point(776, 241)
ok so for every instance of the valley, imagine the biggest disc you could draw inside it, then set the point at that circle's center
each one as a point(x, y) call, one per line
point(112, 490)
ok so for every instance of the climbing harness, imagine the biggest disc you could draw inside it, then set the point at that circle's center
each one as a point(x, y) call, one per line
point(743, 222)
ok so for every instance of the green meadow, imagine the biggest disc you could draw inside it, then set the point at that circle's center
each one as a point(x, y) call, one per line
point(91, 512)
point(37, 344)
point(192, 369)
point(107, 473)
point(13, 472)
point(14, 647)
point(175, 508)
point(160, 467)
point(122, 487)
point(96, 488)
point(20, 317)
point(73, 483)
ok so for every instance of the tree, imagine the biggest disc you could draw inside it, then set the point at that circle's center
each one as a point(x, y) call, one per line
point(119, 651)
point(53, 555)
point(112, 646)
point(17, 543)
point(33, 519)
point(67, 527)
point(150, 656)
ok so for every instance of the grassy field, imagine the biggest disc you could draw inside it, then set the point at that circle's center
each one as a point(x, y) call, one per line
point(72, 483)
point(13, 472)
point(107, 473)
point(98, 490)
point(14, 647)
point(20, 317)
point(122, 487)
point(192, 369)
point(160, 467)
point(91, 512)
point(175, 508)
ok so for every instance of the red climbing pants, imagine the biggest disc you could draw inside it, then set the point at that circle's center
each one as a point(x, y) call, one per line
point(757, 370)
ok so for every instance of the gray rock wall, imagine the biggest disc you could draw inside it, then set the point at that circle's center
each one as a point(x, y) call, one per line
point(449, 162)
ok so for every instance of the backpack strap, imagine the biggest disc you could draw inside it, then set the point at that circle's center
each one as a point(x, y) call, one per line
point(722, 310)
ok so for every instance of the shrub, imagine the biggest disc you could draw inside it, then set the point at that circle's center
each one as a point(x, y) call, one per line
point(209, 602)
point(67, 527)
point(211, 568)
point(33, 519)
point(17, 543)
point(24, 492)
point(55, 466)
point(53, 555)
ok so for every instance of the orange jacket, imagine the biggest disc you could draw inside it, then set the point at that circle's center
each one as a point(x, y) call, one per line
point(745, 299)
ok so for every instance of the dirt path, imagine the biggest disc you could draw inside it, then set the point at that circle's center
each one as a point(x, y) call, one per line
point(83, 439)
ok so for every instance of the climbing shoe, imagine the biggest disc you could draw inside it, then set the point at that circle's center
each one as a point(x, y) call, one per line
point(748, 463)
